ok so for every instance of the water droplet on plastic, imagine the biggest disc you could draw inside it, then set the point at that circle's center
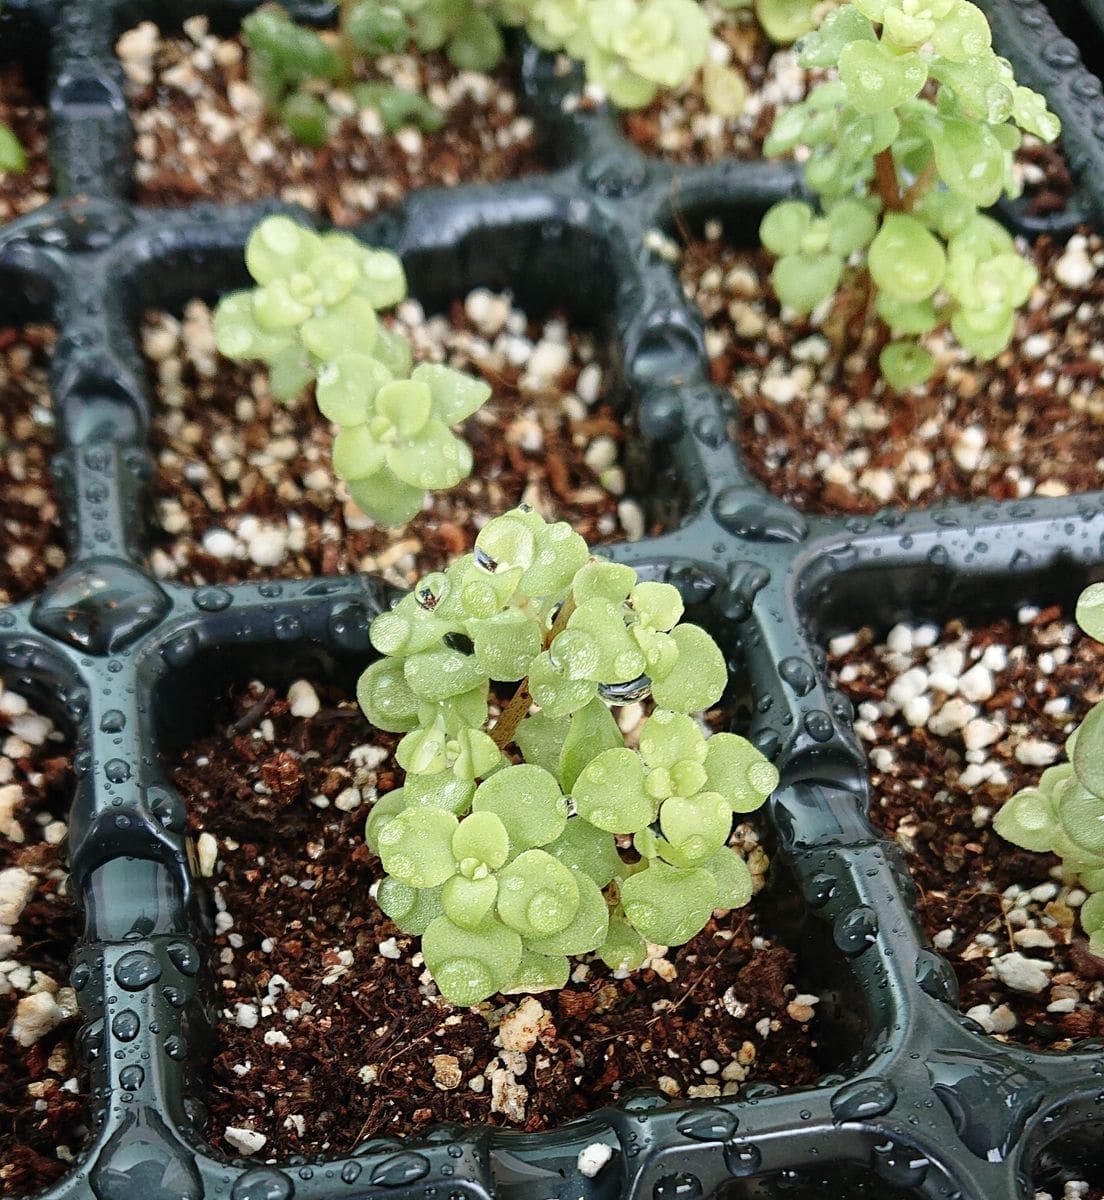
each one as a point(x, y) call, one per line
point(79, 976)
point(400, 1169)
point(212, 599)
point(818, 725)
point(137, 970)
point(797, 673)
point(102, 606)
point(863, 1099)
point(143, 1158)
point(117, 770)
point(287, 627)
point(856, 930)
point(938, 556)
point(350, 1172)
point(819, 889)
point(898, 1164)
point(759, 520)
point(126, 1025)
point(176, 1047)
point(179, 650)
point(131, 1078)
point(742, 1159)
point(680, 1186)
point(710, 1126)
point(184, 956)
point(263, 1183)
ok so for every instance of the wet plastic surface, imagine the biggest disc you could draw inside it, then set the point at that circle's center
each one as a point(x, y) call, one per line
point(929, 1106)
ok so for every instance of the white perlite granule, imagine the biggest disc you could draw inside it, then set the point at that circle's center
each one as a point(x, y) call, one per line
point(593, 1158)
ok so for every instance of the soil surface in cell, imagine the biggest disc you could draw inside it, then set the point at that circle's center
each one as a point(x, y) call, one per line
point(20, 191)
point(822, 431)
point(202, 132)
point(331, 1030)
point(42, 1102)
point(955, 720)
point(30, 525)
point(246, 488)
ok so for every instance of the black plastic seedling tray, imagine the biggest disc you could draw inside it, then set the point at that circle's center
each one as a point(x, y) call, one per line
point(927, 1105)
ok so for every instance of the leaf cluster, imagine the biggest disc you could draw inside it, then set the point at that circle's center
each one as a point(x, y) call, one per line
point(313, 318)
point(507, 869)
point(911, 138)
point(1064, 814)
point(630, 48)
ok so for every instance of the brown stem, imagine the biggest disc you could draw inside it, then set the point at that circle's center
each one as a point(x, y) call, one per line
point(347, 50)
point(919, 187)
point(885, 181)
point(511, 717)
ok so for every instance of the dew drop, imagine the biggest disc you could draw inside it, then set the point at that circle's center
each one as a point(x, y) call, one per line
point(137, 970)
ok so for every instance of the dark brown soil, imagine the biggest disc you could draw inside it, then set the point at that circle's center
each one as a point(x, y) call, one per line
point(331, 1062)
point(831, 438)
point(227, 454)
point(195, 114)
point(20, 111)
point(41, 1102)
point(30, 530)
point(961, 866)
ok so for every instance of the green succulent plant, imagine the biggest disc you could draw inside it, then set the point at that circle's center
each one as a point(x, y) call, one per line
point(508, 869)
point(901, 177)
point(630, 48)
point(313, 318)
point(1064, 813)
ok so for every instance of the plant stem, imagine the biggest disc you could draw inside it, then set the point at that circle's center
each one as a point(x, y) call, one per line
point(919, 187)
point(885, 181)
point(348, 50)
point(511, 717)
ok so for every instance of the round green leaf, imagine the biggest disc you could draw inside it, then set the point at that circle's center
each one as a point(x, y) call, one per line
point(906, 259)
point(878, 80)
point(279, 246)
point(731, 874)
point(385, 809)
point(347, 387)
point(416, 846)
point(699, 677)
point(668, 905)
point(588, 928)
point(528, 801)
point(538, 973)
point(905, 365)
point(537, 895)
point(1027, 819)
point(386, 698)
point(469, 902)
point(439, 674)
point(468, 965)
point(587, 850)
point(610, 793)
point(624, 949)
point(667, 738)
point(357, 455)
point(739, 772)
point(696, 826)
point(455, 395)
point(480, 839)
point(802, 281)
point(412, 909)
point(1090, 611)
point(785, 225)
